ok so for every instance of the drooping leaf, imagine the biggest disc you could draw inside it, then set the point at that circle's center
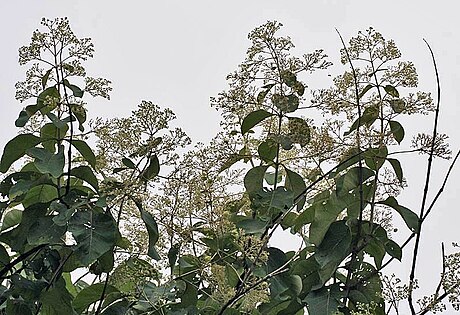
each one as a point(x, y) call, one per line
point(48, 100)
point(11, 218)
point(296, 184)
point(365, 90)
point(45, 78)
point(253, 118)
point(172, 256)
point(16, 148)
point(103, 264)
point(152, 169)
point(95, 233)
point(393, 249)
point(22, 120)
point(334, 247)
point(411, 219)
point(85, 173)
point(368, 117)
point(77, 92)
point(252, 226)
point(80, 114)
point(375, 249)
point(397, 168)
point(85, 151)
point(152, 229)
point(397, 130)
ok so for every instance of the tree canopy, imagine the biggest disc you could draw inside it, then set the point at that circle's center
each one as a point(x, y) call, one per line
point(123, 216)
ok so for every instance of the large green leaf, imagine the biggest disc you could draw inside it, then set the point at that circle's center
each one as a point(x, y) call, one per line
point(397, 168)
point(47, 162)
point(95, 233)
point(45, 231)
point(90, 295)
point(16, 148)
point(254, 179)
point(252, 226)
point(85, 173)
point(77, 92)
point(40, 194)
point(411, 219)
point(333, 249)
point(152, 229)
point(57, 300)
point(325, 301)
point(11, 218)
point(253, 119)
point(85, 151)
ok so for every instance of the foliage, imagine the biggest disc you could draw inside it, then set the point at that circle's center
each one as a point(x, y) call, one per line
point(160, 231)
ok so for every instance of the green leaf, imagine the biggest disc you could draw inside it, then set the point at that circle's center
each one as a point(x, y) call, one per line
point(50, 134)
point(398, 105)
point(252, 226)
point(375, 249)
point(45, 78)
point(22, 120)
point(391, 90)
point(393, 249)
point(365, 90)
point(51, 96)
point(270, 178)
point(45, 231)
point(4, 256)
point(40, 194)
point(299, 132)
point(47, 162)
point(103, 264)
point(16, 148)
point(152, 229)
point(254, 179)
point(85, 173)
point(90, 295)
point(299, 88)
point(128, 163)
point(172, 256)
point(11, 218)
point(85, 151)
point(369, 116)
point(289, 78)
point(253, 119)
point(77, 92)
point(57, 300)
point(397, 168)
point(411, 219)
point(95, 233)
point(286, 103)
point(296, 184)
point(152, 169)
point(333, 249)
point(267, 150)
point(325, 301)
point(375, 157)
point(397, 130)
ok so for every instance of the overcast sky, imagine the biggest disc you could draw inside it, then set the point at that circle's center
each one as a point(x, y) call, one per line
point(177, 54)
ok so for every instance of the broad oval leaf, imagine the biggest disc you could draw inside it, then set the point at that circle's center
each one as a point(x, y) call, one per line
point(90, 295)
point(16, 148)
point(411, 219)
point(151, 170)
point(397, 130)
point(95, 233)
point(254, 179)
point(152, 229)
point(253, 119)
point(85, 151)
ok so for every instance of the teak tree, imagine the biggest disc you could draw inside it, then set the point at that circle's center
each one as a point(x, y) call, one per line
point(160, 232)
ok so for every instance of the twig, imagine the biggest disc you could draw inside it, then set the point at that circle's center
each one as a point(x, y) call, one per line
point(427, 183)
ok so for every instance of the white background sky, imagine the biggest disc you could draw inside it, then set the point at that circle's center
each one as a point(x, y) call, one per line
point(177, 54)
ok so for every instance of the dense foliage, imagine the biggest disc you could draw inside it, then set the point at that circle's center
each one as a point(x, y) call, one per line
point(115, 217)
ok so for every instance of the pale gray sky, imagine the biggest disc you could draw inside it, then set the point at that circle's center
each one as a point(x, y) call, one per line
point(177, 54)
